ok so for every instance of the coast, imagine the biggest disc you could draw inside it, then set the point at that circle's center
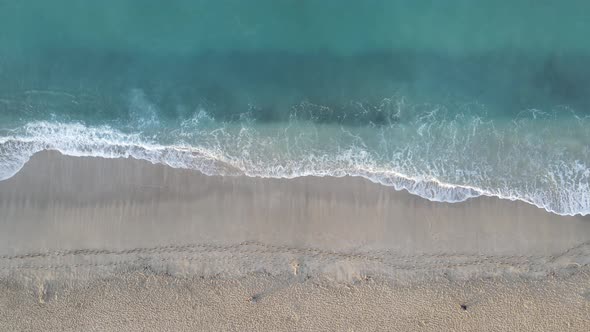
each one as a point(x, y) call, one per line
point(117, 244)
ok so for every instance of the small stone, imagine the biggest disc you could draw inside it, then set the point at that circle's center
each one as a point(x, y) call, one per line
point(254, 298)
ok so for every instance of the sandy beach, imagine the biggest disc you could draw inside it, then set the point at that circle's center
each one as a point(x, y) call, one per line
point(260, 165)
point(120, 244)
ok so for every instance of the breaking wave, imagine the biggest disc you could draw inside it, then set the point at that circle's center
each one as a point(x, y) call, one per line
point(440, 159)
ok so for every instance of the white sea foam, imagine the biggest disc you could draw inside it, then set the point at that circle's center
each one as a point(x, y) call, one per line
point(560, 187)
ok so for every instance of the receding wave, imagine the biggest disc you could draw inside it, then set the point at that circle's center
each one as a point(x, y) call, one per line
point(435, 157)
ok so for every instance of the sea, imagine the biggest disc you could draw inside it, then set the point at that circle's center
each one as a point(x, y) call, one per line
point(448, 100)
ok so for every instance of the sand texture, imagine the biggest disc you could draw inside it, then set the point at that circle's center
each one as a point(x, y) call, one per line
point(91, 244)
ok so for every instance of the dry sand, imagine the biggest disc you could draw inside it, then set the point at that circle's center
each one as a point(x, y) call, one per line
point(97, 244)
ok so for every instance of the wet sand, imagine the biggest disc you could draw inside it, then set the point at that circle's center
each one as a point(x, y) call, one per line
point(111, 244)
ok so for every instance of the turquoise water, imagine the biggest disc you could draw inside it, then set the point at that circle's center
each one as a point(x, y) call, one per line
point(448, 100)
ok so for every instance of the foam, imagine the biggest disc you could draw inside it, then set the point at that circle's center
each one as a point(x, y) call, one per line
point(250, 152)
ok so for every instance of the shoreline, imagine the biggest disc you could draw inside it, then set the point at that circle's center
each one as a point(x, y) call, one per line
point(140, 194)
point(87, 234)
point(570, 200)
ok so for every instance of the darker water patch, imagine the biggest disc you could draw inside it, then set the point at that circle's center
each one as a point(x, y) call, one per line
point(274, 86)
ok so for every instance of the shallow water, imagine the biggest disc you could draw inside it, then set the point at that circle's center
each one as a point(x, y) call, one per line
point(447, 100)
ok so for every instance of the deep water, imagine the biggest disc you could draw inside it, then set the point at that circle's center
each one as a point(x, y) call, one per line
point(449, 100)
